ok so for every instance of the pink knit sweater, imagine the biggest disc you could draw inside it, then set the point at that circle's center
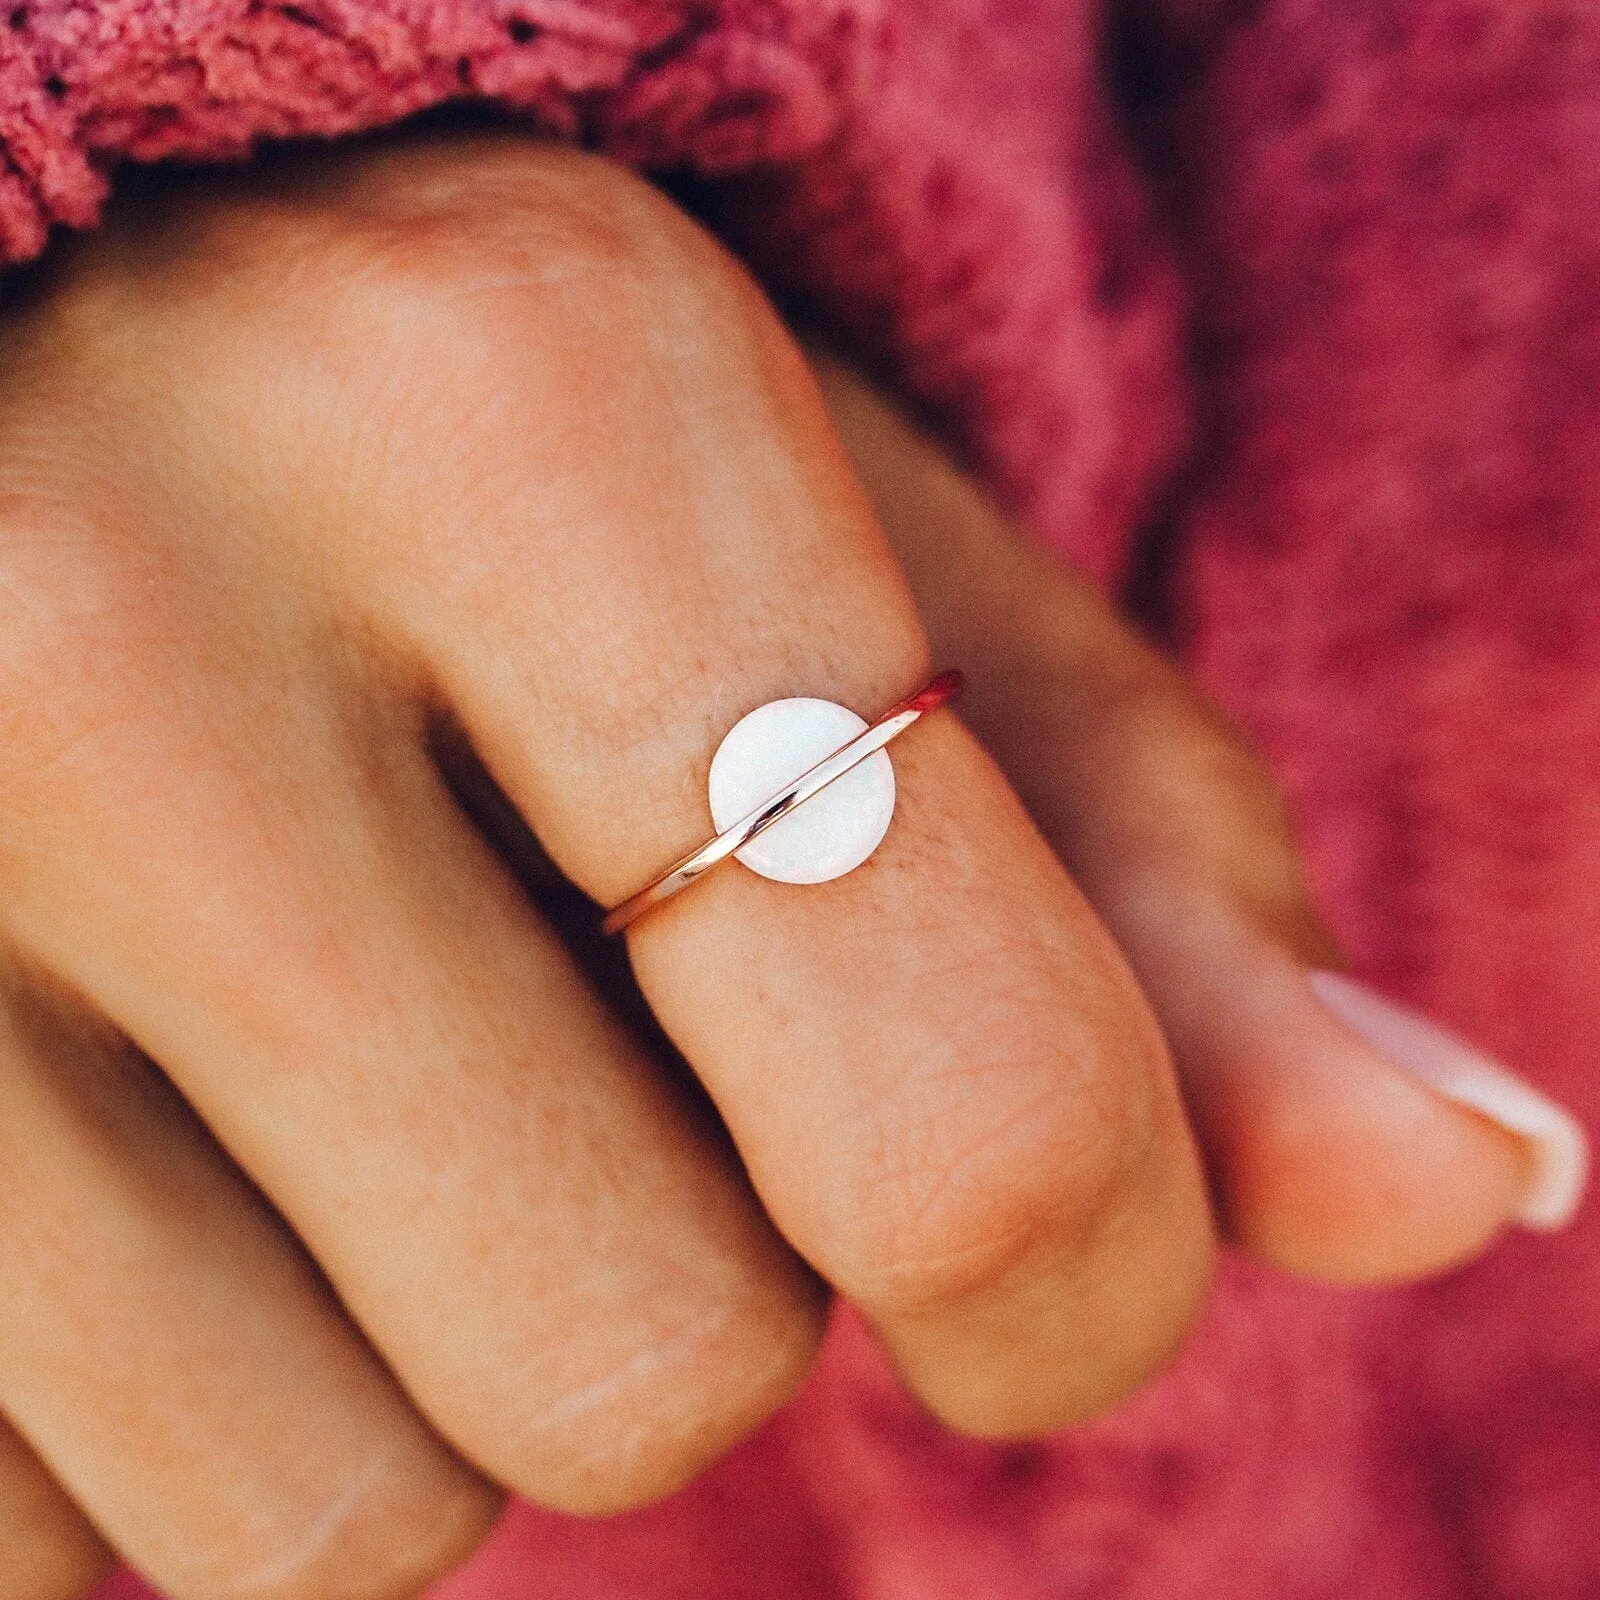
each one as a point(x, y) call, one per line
point(1299, 302)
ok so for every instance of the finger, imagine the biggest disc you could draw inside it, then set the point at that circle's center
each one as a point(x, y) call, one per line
point(48, 1550)
point(230, 833)
point(944, 1084)
point(1344, 1139)
point(178, 1362)
point(285, 906)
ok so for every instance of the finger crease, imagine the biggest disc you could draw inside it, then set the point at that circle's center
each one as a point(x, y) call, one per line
point(319, 1537)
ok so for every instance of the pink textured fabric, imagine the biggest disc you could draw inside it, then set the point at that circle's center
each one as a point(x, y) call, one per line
point(1364, 237)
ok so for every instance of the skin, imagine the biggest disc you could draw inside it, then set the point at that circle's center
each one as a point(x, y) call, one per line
point(341, 1195)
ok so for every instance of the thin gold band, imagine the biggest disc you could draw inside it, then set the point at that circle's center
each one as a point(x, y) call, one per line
point(807, 786)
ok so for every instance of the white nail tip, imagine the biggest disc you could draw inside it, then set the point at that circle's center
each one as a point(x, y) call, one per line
point(1470, 1078)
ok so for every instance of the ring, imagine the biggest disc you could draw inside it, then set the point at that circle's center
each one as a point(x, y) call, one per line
point(768, 735)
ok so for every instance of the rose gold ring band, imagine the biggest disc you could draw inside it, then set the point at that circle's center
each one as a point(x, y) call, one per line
point(806, 787)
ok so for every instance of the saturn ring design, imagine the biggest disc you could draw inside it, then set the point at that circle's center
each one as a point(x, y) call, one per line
point(801, 791)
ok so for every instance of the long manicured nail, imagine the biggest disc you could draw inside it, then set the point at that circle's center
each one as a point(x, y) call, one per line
point(1470, 1078)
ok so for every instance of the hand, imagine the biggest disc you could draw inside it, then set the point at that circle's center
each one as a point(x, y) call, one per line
point(336, 1194)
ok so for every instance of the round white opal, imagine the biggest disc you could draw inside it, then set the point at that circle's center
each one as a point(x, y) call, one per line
point(833, 832)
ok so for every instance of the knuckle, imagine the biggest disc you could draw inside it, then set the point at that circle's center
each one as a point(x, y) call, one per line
point(461, 279)
point(526, 249)
point(559, 301)
point(963, 1204)
point(384, 1547)
point(651, 1418)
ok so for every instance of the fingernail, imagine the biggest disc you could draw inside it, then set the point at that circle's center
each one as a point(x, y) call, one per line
point(1470, 1078)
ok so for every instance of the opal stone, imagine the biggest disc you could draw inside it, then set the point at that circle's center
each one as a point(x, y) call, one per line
point(833, 832)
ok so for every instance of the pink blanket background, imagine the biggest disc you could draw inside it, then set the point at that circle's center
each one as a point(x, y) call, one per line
point(1303, 294)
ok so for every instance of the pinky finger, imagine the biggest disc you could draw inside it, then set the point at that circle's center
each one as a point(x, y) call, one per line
point(48, 1550)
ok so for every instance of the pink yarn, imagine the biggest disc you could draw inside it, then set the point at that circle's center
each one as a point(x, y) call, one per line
point(1365, 236)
